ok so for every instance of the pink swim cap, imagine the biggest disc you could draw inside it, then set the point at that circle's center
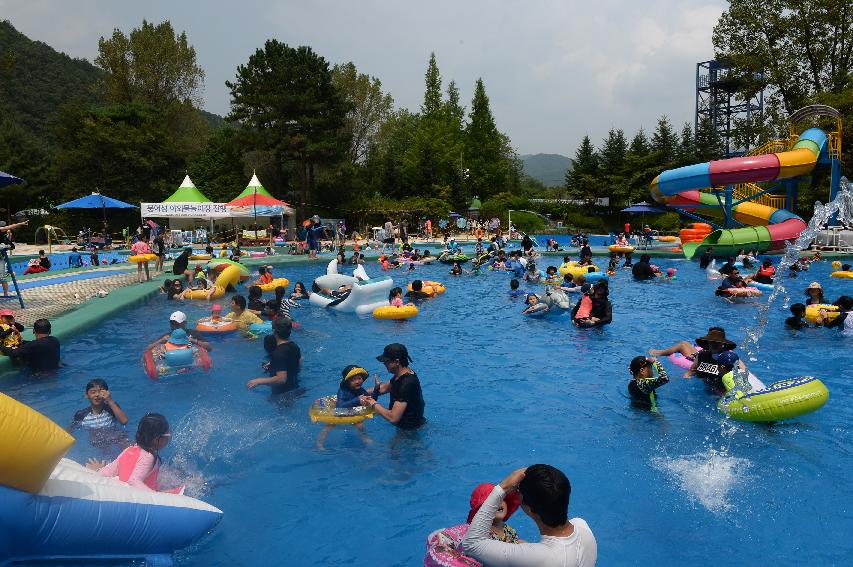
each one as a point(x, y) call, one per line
point(670, 271)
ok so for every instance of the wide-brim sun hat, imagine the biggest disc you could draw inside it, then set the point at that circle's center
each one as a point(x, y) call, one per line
point(481, 494)
point(715, 336)
point(814, 285)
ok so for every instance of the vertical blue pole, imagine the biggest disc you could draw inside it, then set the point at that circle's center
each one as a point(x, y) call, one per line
point(834, 183)
point(728, 219)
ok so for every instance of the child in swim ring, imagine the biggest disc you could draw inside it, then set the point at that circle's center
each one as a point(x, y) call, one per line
point(395, 298)
point(648, 374)
point(500, 530)
point(532, 302)
point(264, 276)
point(349, 392)
point(139, 465)
point(10, 330)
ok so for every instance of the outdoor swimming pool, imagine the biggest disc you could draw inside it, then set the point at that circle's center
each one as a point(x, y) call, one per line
point(502, 391)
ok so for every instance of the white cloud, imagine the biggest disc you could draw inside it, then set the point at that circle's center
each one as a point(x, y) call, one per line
point(554, 70)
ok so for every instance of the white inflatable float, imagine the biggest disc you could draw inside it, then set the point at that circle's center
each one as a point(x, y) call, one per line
point(366, 295)
point(54, 508)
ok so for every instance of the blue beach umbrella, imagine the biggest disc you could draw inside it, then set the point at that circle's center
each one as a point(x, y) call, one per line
point(96, 201)
point(643, 207)
point(8, 179)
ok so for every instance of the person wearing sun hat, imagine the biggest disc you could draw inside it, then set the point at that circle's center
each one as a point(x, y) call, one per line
point(406, 408)
point(714, 342)
point(707, 364)
point(349, 395)
point(500, 531)
point(814, 292)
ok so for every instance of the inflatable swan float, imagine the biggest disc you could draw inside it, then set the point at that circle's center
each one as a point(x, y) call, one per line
point(366, 294)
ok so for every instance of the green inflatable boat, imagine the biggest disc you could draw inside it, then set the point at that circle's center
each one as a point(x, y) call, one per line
point(781, 400)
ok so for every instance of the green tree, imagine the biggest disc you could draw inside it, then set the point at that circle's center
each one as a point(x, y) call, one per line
point(218, 169)
point(453, 106)
point(432, 95)
point(664, 143)
point(286, 102)
point(152, 65)
point(126, 150)
point(642, 165)
point(686, 153)
point(489, 158)
point(709, 146)
point(583, 181)
point(798, 49)
point(22, 155)
point(369, 108)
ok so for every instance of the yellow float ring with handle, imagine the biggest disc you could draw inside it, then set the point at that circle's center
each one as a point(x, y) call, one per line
point(324, 411)
point(813, 312)
point(139, 258)
point(848, 275)
point(277, 282)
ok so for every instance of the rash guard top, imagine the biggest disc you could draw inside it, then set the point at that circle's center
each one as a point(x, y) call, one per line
point(576, 550)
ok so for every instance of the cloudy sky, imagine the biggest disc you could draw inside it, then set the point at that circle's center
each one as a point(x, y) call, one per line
point(553, 70)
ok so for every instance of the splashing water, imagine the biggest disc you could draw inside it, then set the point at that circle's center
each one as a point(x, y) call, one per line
point(842, 208)
point(707, 477)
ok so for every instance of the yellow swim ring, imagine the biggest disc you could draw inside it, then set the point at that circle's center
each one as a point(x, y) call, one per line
point(391, 313)
point(576, 270)
point(430, 288)
point(813, 312)
point(138, 258)
point(848, 275)
point(201, 257)
point(277, 282)
point(623, 249)
point(324, 411)
point(666, 238)
point(30, 447)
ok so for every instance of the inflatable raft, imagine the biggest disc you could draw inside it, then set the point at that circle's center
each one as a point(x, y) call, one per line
point(781, 400)
point(366, 294)
point(53, 508)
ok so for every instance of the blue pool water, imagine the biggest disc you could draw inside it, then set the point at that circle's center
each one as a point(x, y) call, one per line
point(683, 487)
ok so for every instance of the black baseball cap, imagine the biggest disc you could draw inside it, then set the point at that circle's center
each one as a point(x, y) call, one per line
point(395, 351)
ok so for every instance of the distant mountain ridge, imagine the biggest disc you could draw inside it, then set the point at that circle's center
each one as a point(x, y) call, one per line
point(35, 80)
point(550, 169)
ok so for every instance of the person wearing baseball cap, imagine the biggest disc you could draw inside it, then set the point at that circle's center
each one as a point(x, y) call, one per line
point(178, 320)
point(406, 408)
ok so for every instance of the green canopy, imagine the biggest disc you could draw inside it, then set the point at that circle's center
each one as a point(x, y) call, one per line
point(475, 204)
point(187, 193)
point(253, 187)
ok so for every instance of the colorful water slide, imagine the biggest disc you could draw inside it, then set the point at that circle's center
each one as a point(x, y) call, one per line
point(769, 227)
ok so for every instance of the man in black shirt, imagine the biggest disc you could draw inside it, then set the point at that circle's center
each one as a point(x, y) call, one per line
point(642, 270)
point(40, 355)
point(285, 361)
point(406, 409)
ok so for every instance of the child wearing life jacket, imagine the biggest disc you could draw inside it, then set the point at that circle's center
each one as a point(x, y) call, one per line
point(139, 465)
point(765, 273)
point(265, 276)
point(350, 391)
point(10, 330)
point(584, 309)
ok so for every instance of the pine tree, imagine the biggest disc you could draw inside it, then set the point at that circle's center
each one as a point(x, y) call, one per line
point(687, 146)
point(432, 95)
point(664, 143)
point(613, 151)
point(709, 146)
point(583, 180)
point(488, 155)
point(454, 108)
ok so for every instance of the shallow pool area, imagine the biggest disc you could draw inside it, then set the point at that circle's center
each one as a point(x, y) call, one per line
point(683, 486)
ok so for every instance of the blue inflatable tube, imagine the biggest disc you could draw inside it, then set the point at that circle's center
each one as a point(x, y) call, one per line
point(761, 286)
point(79, 514)
point(593, 277)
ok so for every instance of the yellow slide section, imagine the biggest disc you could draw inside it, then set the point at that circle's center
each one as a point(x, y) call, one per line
point(228, 276)
point(30, 446)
